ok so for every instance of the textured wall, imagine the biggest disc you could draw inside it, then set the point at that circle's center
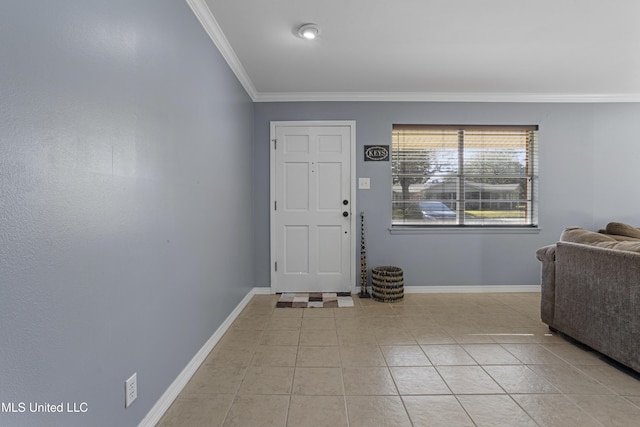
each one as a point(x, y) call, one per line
point(587, 155)
point(125, 202)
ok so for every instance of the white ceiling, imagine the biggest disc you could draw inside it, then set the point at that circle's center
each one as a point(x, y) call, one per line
point(440, 50)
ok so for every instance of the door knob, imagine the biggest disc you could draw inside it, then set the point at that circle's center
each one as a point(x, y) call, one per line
point(345, 202)
point(345, 214)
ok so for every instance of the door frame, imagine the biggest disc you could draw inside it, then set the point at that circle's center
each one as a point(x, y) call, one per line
point(352, 180)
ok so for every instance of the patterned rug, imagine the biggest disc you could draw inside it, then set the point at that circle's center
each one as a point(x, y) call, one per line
point(315, 299)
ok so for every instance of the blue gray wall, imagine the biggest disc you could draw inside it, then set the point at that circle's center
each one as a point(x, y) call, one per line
point(587, 154)
point(125, 202)
point(128, 205)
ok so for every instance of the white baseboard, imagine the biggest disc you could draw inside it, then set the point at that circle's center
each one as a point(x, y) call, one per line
point(163, 404)
point(453, 289)
point(470, 289)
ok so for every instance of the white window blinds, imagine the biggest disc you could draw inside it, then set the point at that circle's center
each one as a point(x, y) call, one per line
point(464, 175)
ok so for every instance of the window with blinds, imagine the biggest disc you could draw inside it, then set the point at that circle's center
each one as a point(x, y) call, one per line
point(474, 176)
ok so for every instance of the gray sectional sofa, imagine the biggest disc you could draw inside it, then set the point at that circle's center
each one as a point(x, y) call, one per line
point(590, 289)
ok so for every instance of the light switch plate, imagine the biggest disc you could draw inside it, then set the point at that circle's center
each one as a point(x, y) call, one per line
point(364, 183)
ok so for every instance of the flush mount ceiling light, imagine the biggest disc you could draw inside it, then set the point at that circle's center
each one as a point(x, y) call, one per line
point(308, 31)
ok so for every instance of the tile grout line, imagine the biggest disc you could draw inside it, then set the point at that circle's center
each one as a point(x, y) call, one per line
point(403, 321)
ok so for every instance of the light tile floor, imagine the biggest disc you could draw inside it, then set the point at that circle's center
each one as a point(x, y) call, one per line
point(429, 360)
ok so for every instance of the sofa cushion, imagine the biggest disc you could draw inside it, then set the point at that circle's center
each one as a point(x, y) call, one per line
point(584, 236)
point(622, 229)
point(620, 238)
point(632, 246)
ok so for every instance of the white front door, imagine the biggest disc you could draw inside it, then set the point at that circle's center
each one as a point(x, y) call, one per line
point(312, 206)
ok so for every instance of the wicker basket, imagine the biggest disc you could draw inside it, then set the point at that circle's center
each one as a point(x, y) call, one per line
point(387, 284)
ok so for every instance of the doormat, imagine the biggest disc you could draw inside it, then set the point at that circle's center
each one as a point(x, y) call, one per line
point(315, 300)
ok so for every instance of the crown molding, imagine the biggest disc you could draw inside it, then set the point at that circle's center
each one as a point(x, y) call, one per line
point(208, 21)
point(443, 97)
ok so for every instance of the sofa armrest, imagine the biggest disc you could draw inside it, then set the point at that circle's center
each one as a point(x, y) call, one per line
point(597, 299)
point(546, 253)
point(547, 256)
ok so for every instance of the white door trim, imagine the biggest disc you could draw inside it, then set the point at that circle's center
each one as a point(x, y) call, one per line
point(272, 190)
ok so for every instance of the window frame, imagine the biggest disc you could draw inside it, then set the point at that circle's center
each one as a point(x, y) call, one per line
point(530, 177)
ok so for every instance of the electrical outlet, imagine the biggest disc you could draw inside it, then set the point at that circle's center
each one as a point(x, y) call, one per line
point(130, 390)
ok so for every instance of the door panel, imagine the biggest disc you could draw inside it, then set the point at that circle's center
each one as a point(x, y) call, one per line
point(296, 180)
point(330, 144)
point(312, 244)
point(329, 187)
point(329, 249)
point(296, 249)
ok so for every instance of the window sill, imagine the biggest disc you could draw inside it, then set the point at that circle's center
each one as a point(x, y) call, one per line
point(464, 230)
